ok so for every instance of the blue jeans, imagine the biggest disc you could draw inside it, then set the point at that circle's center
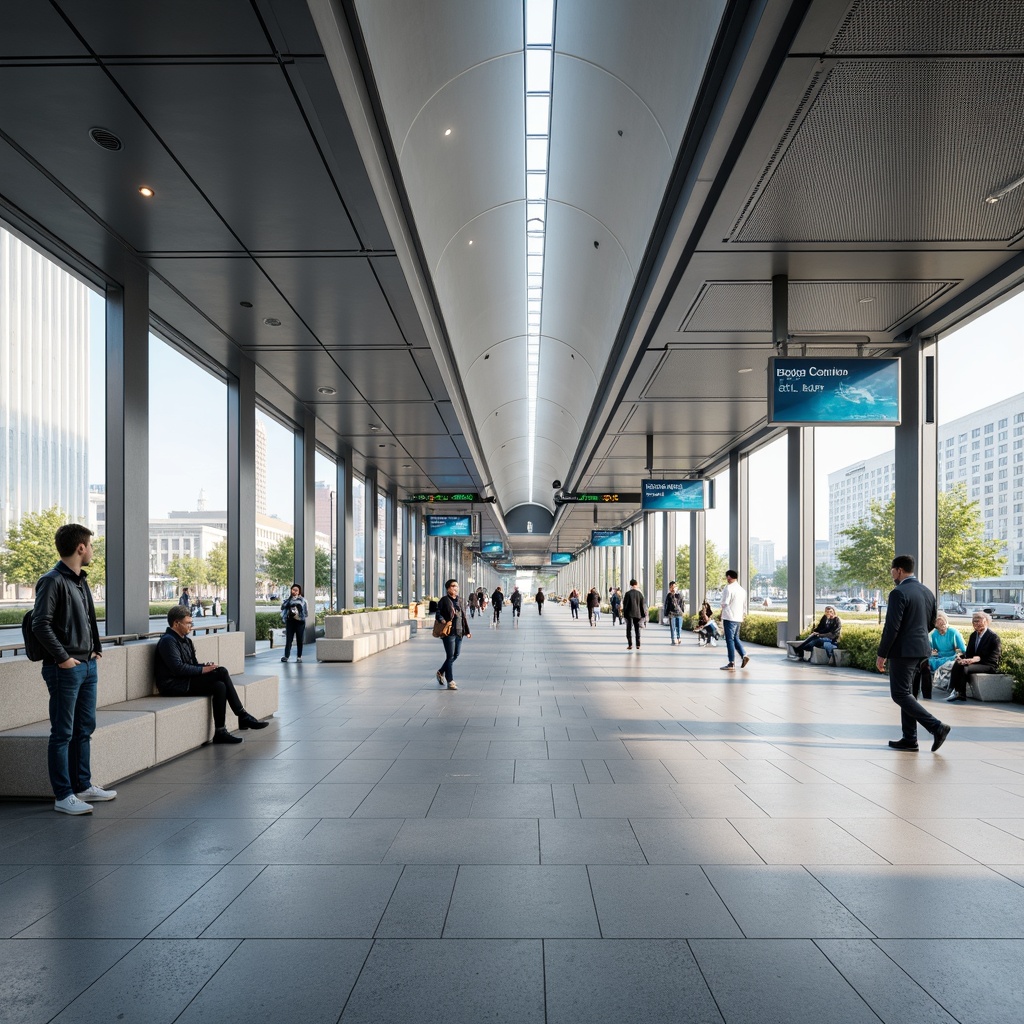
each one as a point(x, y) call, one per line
point(676, 626)
point(733, 644)
point(452, 644)
point(72, 723)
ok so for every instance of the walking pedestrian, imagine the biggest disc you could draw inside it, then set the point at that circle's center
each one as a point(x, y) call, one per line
point(449, 611)
point(615, 600)
point(734, 611)
point(674, 610)
point(497, 601)
point(634, 611)
point(593, 601)
point(516, 600)
point(540, 601)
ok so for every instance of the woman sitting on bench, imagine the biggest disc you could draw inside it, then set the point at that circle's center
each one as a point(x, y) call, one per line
point(825, 634)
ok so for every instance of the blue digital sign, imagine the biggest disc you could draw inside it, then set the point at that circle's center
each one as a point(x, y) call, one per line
point(492, 547)
point(863, 392)
point(449, 526)
point(606, 538)
point(672, 495)
point(561, 557)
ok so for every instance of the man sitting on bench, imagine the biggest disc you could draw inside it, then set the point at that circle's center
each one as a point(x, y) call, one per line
point(179, 674)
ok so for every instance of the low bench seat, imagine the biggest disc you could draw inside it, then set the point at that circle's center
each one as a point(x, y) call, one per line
point(355, 637)
point(984, 686)
point(819, 656)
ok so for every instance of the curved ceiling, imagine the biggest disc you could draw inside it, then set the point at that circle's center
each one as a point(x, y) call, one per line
point(625, 78)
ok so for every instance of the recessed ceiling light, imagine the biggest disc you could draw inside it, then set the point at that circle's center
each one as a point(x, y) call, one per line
point(145, 190)
point(374, 426)
point(272, 321)
point(447, 132)
point(406, 465)
point(866, 300)
point(746, 369)
point(471, 241)
point(327, 391)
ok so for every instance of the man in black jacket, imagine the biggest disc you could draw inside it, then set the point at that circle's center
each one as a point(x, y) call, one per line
point(909, 619)
point(179, 674)
point(634, 611)
point(64, 622)
point(984, 649)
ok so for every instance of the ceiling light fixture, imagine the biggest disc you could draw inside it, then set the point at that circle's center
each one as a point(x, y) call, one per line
point(746, 369)
point(327, 391)
point(272, 321)
point(145, 190)
point(866, 300)
point(538, 56)
point(374, 426)
point(447, 132)
point(994, 197)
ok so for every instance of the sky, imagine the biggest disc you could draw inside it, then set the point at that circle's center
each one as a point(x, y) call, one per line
point(186, 396)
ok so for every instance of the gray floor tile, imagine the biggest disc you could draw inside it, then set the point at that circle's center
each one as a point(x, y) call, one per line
point(530, 771)
point(451, 771)
point(36, 891)
point(589, 841)
point(419, 903)
point(449, 982)
point(508, 800)
point(783, 902)
point(452, 801)
point(309, 902)
point(325, 841)
point(359, 771)
point(659, 902)
point(521, 901)
point(592, 750)
point(611, 981)
point(889, 990)
point(207, 841)
point(218, 801)
point(330, 800)
point(153, 983)
point(803, 841)
point(305, 980)
point(966, 901)
point(786, 981)
point(692, 841)
point(977, 981)
point(397, 800)
point(38, 978)
point(199, 911)
point(712, 800)
point(639, 772)
point(647, 801)
point(127, 903)
point(461, 841)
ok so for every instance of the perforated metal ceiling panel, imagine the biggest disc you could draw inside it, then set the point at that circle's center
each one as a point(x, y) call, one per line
point(927, 26)
point(861, 167)
point(814, 306)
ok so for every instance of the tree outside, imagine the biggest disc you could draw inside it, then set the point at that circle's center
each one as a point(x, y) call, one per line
point(279, 564)
point(964, 553)
point(191, 572)
point(217, 566)
point(29, 548)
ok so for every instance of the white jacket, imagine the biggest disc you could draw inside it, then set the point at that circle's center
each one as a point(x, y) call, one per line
point(734, 603)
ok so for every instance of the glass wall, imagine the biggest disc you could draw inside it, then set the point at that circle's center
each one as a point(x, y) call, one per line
point(326, 541)
point(767, 525)
point(359, 542)
point(188, 519)
point(52, 417)
point(275, 504)
point(400, 559)
point(382, 548)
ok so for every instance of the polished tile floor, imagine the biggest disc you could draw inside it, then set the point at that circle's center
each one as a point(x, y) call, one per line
point(578, 834)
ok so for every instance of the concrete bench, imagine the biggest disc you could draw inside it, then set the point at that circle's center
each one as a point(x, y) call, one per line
point(354, 637)
point(819, 656)
point(984, 686)
point(135, 727)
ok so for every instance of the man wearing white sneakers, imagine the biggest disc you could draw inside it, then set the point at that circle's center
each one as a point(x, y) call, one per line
point(64, 623)
point(734, 611)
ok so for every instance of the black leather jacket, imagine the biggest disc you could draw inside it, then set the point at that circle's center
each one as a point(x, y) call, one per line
point(64, 616)
point(176, 664)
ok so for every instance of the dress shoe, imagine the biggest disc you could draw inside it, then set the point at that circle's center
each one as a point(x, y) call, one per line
point(939, 736)
point(904, 745)
point(247, 721)
point(223, 736)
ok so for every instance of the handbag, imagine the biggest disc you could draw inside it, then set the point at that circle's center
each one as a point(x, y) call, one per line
point(442, 628)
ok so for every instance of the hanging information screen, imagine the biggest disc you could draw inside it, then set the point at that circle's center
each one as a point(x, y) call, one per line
point(673, 495)
point(864, 392)
point(492, 547)
point(561, 557)
point(449, 526)
point(606, 538)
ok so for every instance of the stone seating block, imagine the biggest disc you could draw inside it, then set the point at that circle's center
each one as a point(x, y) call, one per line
point(207, 648)
point(231, 652)
point(23, 695)
point(180, 723)
point(123, 744)
point(141, 673)
point(820, 657)
point(111, 677)
point(993, 686)
point(258, 694)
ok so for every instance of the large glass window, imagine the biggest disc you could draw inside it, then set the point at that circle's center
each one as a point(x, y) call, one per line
point(767, 524)
point(52, 417)
point(275, 507)
point(188, 519)
point(359, 541)
point(382, 549)
point(326, 540)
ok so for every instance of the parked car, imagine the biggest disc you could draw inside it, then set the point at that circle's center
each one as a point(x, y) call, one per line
point(953, 608)
point(1000, 609)
point(855, 604)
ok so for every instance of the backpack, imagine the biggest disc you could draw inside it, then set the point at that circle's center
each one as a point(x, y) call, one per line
point(33, 648)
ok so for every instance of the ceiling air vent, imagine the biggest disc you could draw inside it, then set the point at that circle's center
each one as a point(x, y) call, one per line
point(105, 139)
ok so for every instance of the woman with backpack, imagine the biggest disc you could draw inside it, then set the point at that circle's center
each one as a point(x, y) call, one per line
point(294, 613)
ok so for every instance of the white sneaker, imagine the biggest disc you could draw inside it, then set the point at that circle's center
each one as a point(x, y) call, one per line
point(72, 805)
point(714, 643)
point(96, 795)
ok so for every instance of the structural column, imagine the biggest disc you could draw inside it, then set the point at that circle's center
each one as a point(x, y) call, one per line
point(346, 537)
point(127, 441)
point(698, 559)
point(391, 550)
point(739, 516)
point(370, 541)
point(668, 551)
point(916, 457)
point(242, 501)
point(800, 529)
point(304, 497)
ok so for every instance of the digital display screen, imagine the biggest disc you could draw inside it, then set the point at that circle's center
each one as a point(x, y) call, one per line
point(449, 526)
point(606, 538)
point(492, 547)
point(561, 557)
point(673, 495)
point(857, 392)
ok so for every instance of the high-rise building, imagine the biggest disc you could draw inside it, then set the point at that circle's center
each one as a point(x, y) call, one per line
point(44, 386)
point(762, 554)
point(983, 450)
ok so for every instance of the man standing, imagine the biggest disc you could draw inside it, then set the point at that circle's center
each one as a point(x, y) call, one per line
point(616, 602)
point(674, 610)
point(179, 674)
point(634, 611)
point(734, 611)
point(64, 622)
point(909, 620)
point(516, 600)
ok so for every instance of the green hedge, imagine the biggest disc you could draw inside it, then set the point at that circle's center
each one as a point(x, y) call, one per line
point(760, 629)
point(1013, 663)
point(265, 622)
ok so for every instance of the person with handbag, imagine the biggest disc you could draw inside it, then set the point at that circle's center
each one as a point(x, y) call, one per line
point(452, 627)
point(294, 613)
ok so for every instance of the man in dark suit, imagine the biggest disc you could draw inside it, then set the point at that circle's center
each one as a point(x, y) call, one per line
point(984, 649)
point(909, 619)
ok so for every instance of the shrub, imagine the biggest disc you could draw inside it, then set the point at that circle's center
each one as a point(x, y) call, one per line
point(265, 622)
point(862, 643)
point(760, 629)
point(1012, 662)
